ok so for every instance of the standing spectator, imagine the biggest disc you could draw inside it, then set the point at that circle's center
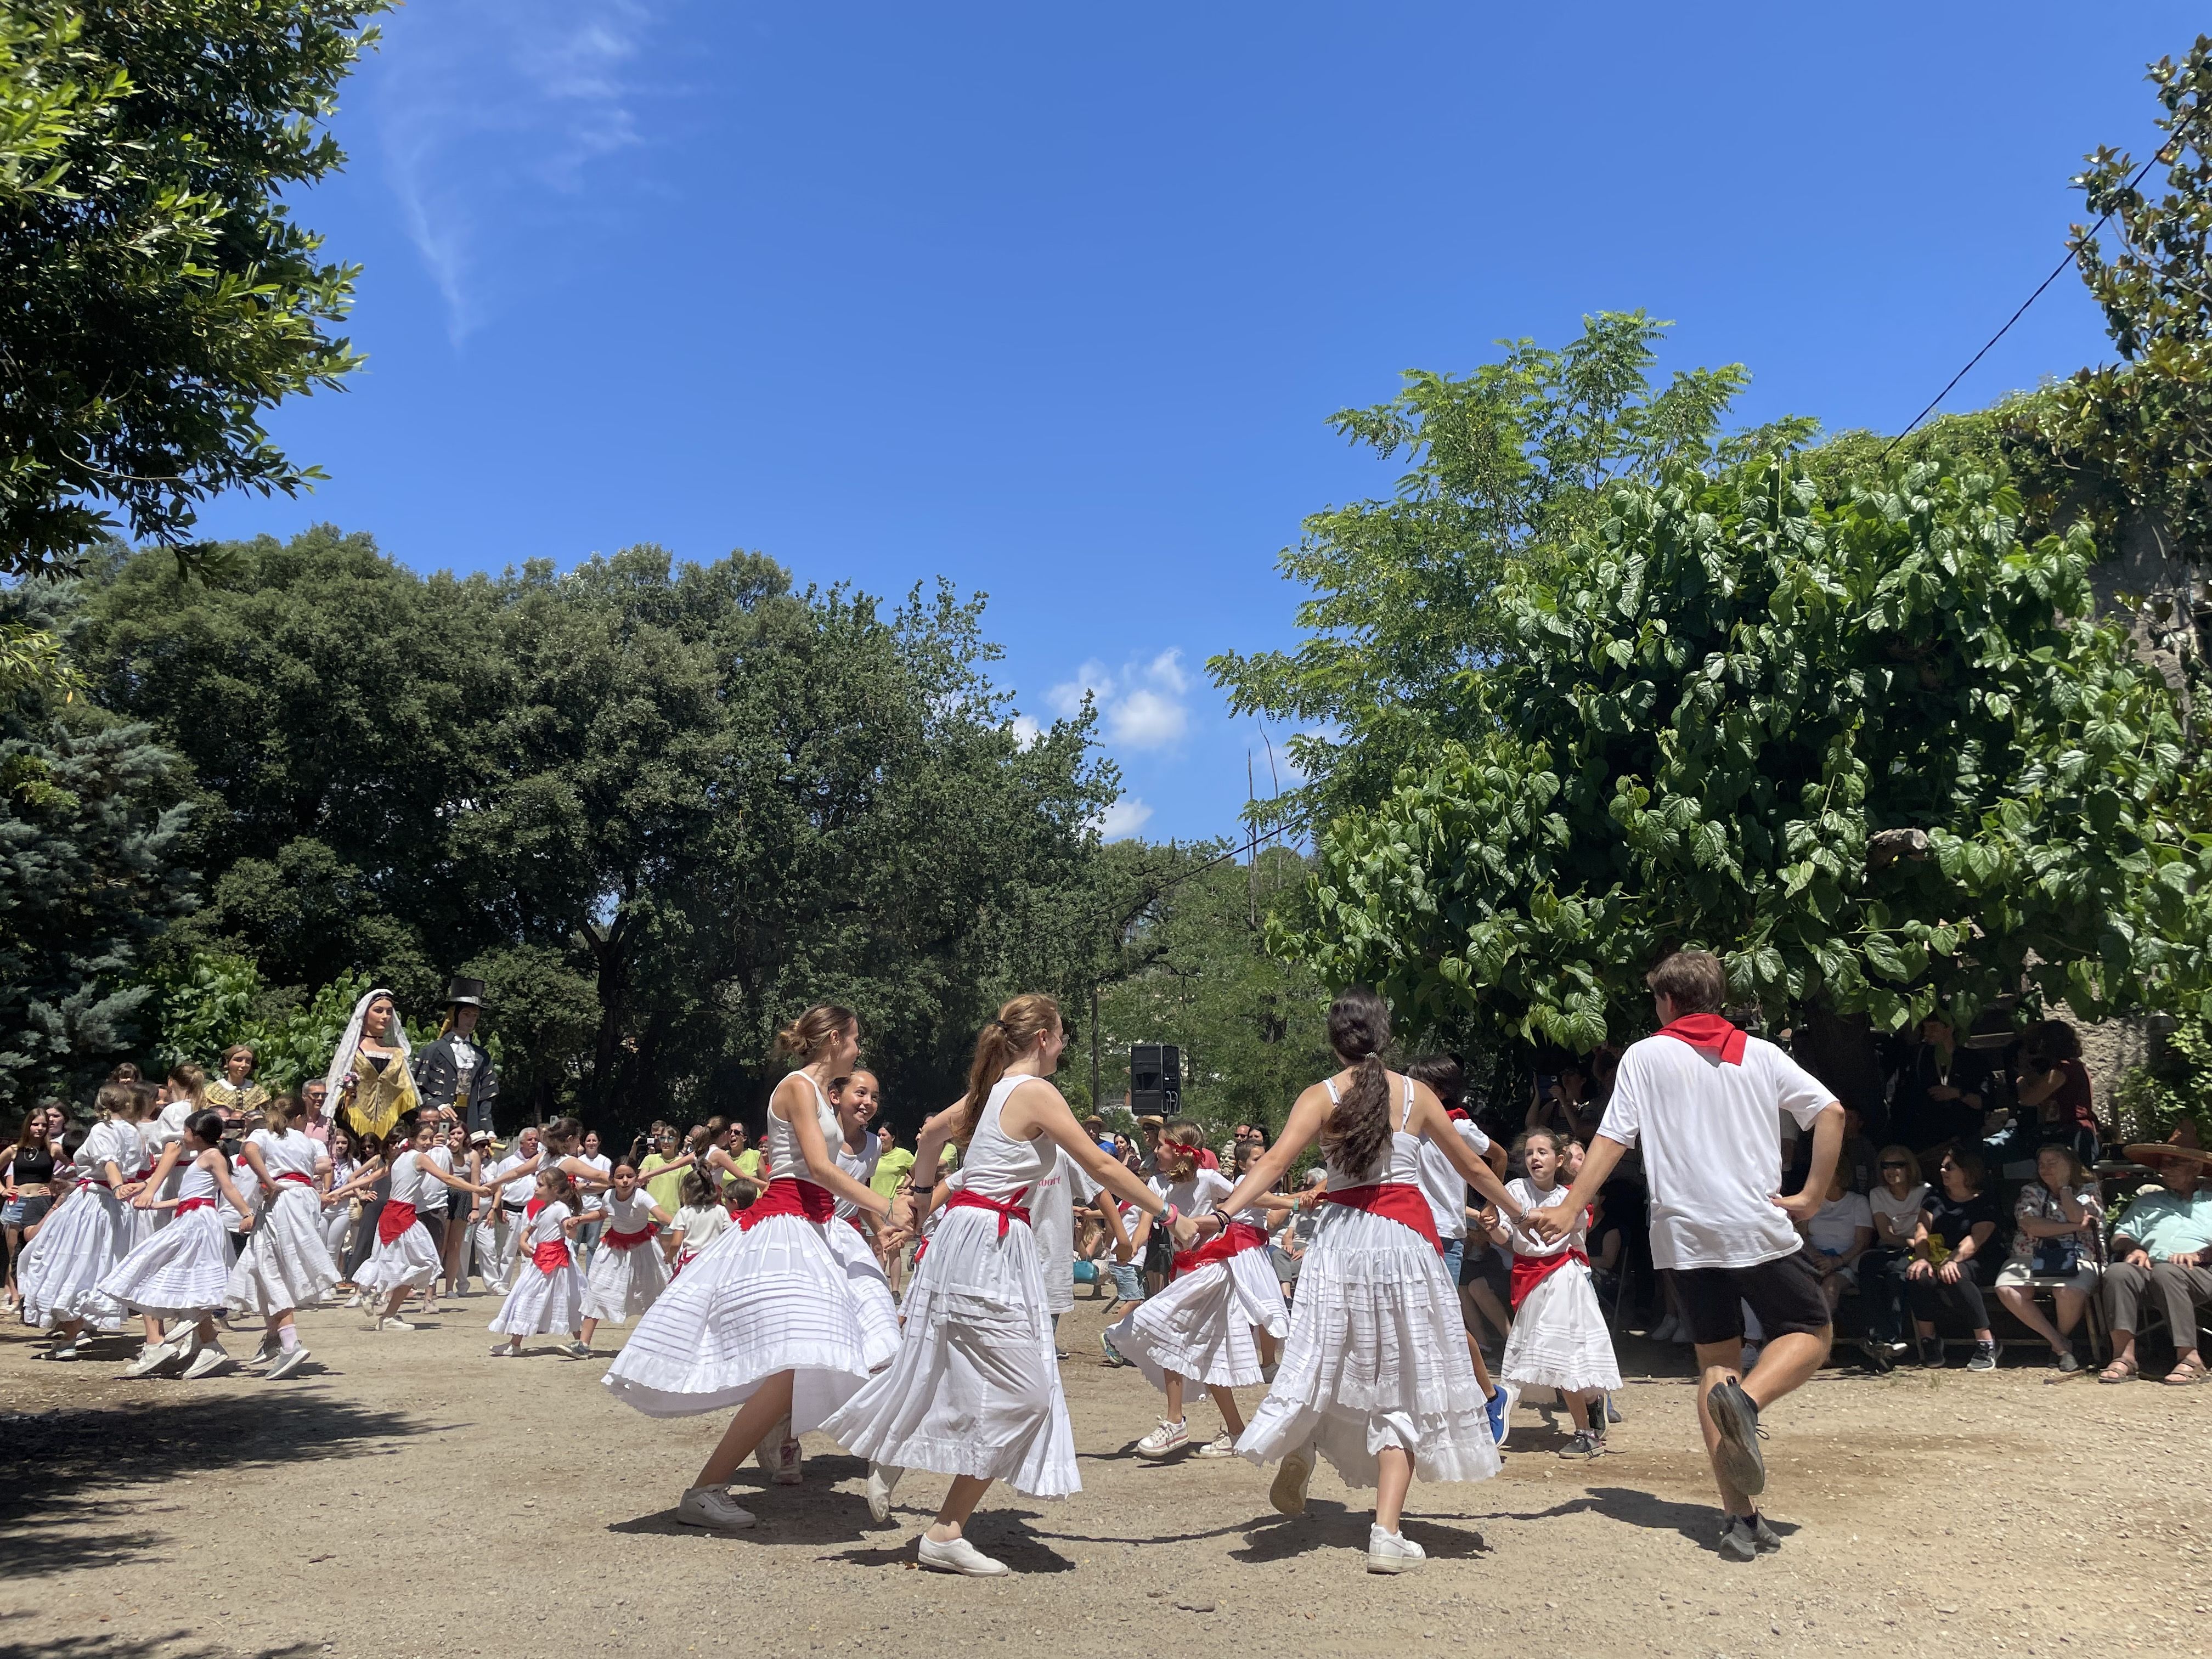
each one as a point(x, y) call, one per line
point(1940, 1093)
point(1840, 1232)
point(662, 1171)
point(30, 1192)
point(1952, 1254)
point(2054, 1085)
point(2055, 1223)
point(314, 1121)
point(2163, 1244)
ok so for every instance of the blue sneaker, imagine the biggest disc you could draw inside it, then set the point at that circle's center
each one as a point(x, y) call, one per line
point(1114, 1355)
point(1499, 1404)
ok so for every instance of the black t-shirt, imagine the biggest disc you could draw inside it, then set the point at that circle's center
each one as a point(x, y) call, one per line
point(1951, 1219)
point(1919, 1122)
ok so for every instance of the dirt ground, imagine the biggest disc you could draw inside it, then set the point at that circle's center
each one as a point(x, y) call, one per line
point(409, 1495)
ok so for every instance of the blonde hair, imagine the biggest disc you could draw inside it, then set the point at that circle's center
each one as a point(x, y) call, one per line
point(191, 1079)
point(1004, 1040)
point(805, 1035)
point(1179, 1145)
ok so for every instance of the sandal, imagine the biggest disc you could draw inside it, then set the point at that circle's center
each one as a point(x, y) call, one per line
point(2120, 1370)
point(2186, 1374)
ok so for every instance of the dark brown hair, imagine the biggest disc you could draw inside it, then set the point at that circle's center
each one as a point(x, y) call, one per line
point(1004, 1040)
point(1445, 1076)
point(2054, 1040)
point(806, 1034)
point(1358, 1128)
point(1693, 980)
point(564, 1189)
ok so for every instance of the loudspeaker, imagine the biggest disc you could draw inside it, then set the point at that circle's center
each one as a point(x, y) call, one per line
point(1155, 1079)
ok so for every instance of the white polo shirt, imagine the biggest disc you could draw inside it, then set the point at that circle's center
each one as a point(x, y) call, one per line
point(1710, 1151)
point(1445, 1187)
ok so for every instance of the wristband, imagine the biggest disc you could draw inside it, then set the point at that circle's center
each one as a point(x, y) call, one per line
point(1170, 1215)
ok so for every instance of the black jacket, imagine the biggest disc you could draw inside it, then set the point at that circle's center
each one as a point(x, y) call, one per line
point(437, 1077)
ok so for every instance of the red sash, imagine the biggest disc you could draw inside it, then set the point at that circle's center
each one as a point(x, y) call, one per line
point(551, 1256)
point(1709, 1034)
point(298, 1180)
point(786, 1196)
point(1006, 1209)
point(628, 1240)
point(187, 1206)
point(394, 1219)
point(1237, 1235)
point(100, 1182)
point(1401, 1202)
point(1530, 1271)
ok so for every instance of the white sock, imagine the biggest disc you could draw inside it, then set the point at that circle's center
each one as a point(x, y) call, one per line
point(287, 1337)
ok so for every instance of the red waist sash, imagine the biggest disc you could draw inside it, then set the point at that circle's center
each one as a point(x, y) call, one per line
point(630, 1240)
point(394, 1219)
point(786, 1196)
point(1530, 1271)
point(1237, 1237)
point(297, 1180)
point(1401, 1202)
point(551, 1256)
point(187, 1206)
point(1006, 1209)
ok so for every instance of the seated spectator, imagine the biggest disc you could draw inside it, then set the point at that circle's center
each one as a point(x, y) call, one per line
point(1840, 1233)
point(2054, 1225)
point(2056, 1105)
point(2162, 1244)
point(1859, 1157)
point(1894, 1207)
point(1952, 1249)
point(1940, 1093)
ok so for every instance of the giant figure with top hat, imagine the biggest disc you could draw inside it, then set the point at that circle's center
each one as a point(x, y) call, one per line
point(457, 1070)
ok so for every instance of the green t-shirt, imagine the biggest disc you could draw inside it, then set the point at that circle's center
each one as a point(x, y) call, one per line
point(665, 1188)
point(891, 1169)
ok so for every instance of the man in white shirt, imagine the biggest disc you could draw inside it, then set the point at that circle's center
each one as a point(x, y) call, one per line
point(498, 1229)
point(1700, 1098)
point(1446, 1190)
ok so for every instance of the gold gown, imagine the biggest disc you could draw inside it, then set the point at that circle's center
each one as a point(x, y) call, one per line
point(240, 1103)
point(380, 1098)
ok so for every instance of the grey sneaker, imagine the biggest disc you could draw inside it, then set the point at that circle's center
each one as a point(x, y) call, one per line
point(1741, 1464)
point(1985, 1358)
point(712, 1508)
point(1586, 1442)
point(1288, 1491)
point(2067, 1362)
point(286, 1364)
point(1746, 1537)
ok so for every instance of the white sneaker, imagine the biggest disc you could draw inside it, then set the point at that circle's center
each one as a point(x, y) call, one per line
point(779, 1455)
point(286, 1364)
point(355, 1300)
point(66, 1350)
point(1221, 1445)
point(1288, 1494)
point(1392, 1552)
point(393, 1322)
point(1167, 1437)
point(712, 1508)
point(207, 1362)
point(882, 1481)
point(151, 1358)
point(958, 1555)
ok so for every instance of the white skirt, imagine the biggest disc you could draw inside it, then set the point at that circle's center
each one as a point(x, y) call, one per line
point(974, 1388)
point(541, 1302)
point(1558, 1339)
point(756, 1302)
point(58, 1274)
point(285, 1264)
point(183, 1272)
point(1376, 1357)
point(1201, 1326)
point(411, 1260)
point(871, 1292)
point(623, 1284)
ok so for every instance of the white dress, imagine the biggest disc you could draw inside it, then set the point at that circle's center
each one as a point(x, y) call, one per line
point(1052, 1218)
point(767, 1297)
point(701, 1225)
point(974, 1388)
point(625, 1280)
point(286, 1263)
point(548, 1293)
point(871, 1291)
point(410, 1259)
point(85, 1235)
point(1377, 1353)
point(1558, 1339)
point(182, 1271)
point(1200, 1327)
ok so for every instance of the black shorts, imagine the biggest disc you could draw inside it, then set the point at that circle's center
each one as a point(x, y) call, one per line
point(1785, 1294)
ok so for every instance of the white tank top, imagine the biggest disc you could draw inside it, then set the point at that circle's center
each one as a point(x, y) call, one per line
point(783, 1156)
point(408, 1184)
point(861, 1165)
point(197, 1183)
point(997, 1165)
point(1400, 1164)
point(289, 1153)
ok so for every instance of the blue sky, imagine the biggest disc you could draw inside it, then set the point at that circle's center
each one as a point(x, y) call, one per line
point(1055, 301)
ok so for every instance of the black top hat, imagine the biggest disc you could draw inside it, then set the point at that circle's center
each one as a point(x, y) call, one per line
point(465, 993)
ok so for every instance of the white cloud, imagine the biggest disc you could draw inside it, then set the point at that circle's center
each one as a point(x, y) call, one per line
point(1147, 720)
point(1123, 818)
point(1090, 680)
point(1140, 708)
point(1027, 732)
point(1166, 670)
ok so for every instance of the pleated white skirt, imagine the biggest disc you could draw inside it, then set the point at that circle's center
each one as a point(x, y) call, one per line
point(1201, 1327)
point(59, 1275)
point(182, 1272)
point(974, 1388)
point(623, 1284)
point(871, 1292)
point(411, 1260)
point(285, 1263)
point(541, 1302)
point(1558, 1339)
point(1376, 1356)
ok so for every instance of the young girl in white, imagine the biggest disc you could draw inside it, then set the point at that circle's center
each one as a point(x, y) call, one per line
point(404, 1259)
point(856, 1152)
point(701, 1221)
point(1375, 1375)
point(285, 1265)
point(1558, 1340)
point(974, 1392)
point(549, 1291)
point(767, 1319)
point(182, 1271)
point(86, 1234)
point(627, 1274)
point(1202, 1324)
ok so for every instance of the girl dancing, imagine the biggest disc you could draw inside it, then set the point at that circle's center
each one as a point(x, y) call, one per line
point(1375, 1376)
point(1558, 1340)
point(87, 1233)
point(549, 1291)
point(183, 1272)
point(628, 1272)
point(404, 1259)
point(285, 1265)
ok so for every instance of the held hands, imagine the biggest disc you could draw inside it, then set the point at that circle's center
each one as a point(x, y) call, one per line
point(1184, 1232)
point(1548, 1225)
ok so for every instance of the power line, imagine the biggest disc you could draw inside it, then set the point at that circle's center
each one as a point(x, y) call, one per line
point(2073, 252)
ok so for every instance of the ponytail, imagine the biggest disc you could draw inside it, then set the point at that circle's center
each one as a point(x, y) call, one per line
point(805, 1035)
point(1358, 1128)
point(1004, 1040)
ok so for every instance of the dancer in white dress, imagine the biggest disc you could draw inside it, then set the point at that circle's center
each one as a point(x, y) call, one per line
point(628, 1271)
point(701, 1221)
point(86, 1234)
point(183, 1272)
point(974, 1392)
point(1202, 1325)
point(549, 1291)
point(285, 1265)
point(496, 1228)
point(1447, 1195)
point(850, 1240)
point(1558, 1339)
point(767, 1319)
point(404, 1259)
point(1375, 1376)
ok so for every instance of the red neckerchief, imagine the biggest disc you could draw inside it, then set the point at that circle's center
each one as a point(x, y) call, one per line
point(1709, 1034)
point(1460, 1114)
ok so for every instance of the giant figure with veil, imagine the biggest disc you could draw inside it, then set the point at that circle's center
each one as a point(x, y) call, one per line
point(371, 1087)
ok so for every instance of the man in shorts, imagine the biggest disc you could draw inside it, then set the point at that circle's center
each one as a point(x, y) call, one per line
point(1701, 1098)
